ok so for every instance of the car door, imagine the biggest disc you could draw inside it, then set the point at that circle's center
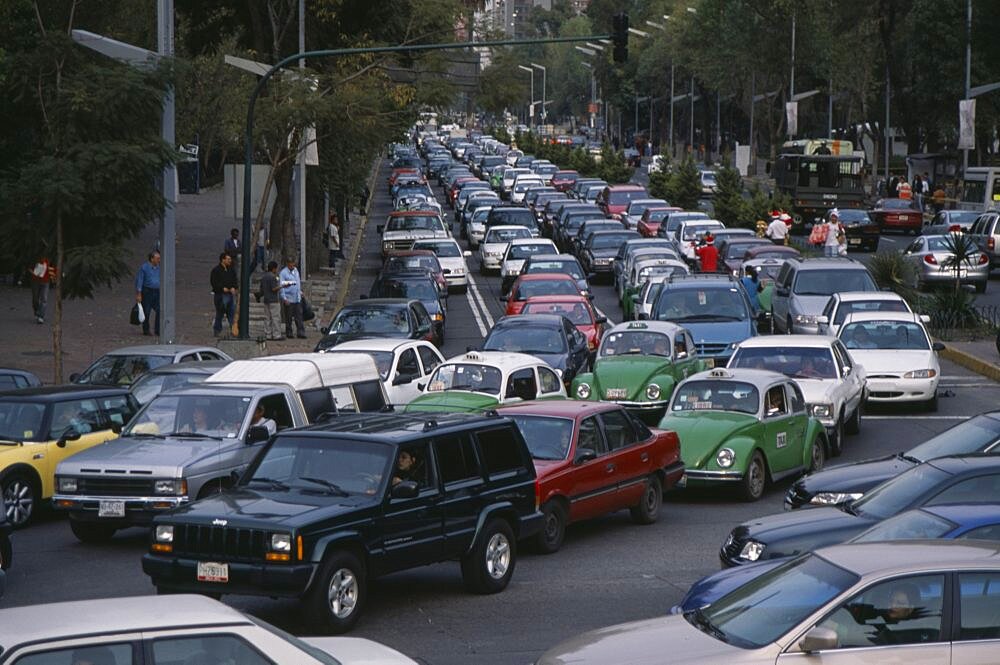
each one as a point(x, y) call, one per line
point(798, 422)
point(685, 356)
point(462, 484)
point(781, 447)
point(852, 377)
point(413, 527)
point(781, 296)
point(593, 486)
point(976, 640)
point(404, 377)
point(430, 358)
point(628, 454)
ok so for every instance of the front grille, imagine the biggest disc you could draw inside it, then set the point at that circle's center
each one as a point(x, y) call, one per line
point(399, 244)
point(885, 394)
point(883, 376)
point(217, 542)
point(711, 349)
point(115, 486)
point(797, 496)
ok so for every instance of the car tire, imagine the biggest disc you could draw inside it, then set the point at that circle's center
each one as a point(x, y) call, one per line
point(817, 457)
point(837, 440)
point(981, 287)
point(788, 326)
point(853, 425)
point(550, 538)
point(931, 405)
point(91, 533)
point(647, 511)
point(338, 594)
point(20, 498)
point(755, 479)
point(489, 567)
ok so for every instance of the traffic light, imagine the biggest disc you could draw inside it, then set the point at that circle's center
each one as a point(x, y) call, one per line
point(619, 36)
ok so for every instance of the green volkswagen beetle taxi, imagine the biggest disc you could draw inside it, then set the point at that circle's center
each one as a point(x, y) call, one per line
point(745, 428)
point(638, 364)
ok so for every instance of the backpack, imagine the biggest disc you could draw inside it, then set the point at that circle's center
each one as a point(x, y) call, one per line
point(818, 234)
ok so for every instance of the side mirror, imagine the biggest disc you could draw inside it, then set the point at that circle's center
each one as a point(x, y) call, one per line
point(938, 346)
point(818, 639)
point(324, 329)
point(420, 386)
point(601, 319)
point(823, 319)
point(403, 379)
point(466, 253)
point(848, 369)
point(924, 318)
point(257, 434)
point(584, 455)
point(76, 375)
point(406, 489)
point(380, 228)
point(71, 434)
point(117, 428)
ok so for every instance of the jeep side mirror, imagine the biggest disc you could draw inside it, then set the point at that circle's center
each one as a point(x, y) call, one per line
point(71, 434)
point(937, 346)
point(257, 434)
point(405, 489)
point(822, 319)
point(584, 455)
point(818, 638)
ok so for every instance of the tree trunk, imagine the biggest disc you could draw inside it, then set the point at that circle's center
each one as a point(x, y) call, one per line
point(57, 359)
point(282, 231)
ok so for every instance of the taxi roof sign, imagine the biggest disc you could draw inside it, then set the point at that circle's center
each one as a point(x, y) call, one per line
point(641, 325)
point(721, 373)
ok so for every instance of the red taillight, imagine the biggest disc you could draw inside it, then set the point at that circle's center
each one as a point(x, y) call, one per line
point(990, 245)
point(983, 259)
point(930, 260)
point(954, 228)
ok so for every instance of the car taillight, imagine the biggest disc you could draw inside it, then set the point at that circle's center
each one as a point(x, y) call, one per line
point(930, 260)
point(983, 259)
point(990, 245)
point(954, 228)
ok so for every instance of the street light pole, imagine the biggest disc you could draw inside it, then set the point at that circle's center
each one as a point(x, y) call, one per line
point(691, 128)
point(168, 225)
point(300, 165)
point(968, 74)
point(886, 128)
point(531, 102)
point(544, 74)
point(671, 110)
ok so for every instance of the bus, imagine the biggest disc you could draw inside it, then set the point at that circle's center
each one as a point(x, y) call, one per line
point(817, 183)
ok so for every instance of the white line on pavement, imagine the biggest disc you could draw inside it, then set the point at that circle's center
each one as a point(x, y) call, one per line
point(969, 385)
point(475, 311)
point(482, 303)
point(908, 417)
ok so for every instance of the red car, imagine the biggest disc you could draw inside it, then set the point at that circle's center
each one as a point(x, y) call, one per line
point(594, 458)
point(614, 199)
point(575, 308)
point(457, 186)
point(651, 218)
point(564, 180)
point(416, 259)
point(401, 171)
point(538, 284)
point(898, 214)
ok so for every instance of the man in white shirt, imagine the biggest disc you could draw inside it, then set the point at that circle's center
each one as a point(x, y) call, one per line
point(260, 420)
point(777, 231)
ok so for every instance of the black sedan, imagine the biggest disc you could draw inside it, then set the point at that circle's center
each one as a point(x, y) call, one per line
point(600, 248)
point(839, 484)
point(969, 479)
point(384, 317)
point(415, 285)
point(861, 230)
point(549, 337)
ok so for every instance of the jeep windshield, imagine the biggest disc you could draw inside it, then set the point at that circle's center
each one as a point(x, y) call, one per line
point(796, 362)
point(639, 342)
point(462, 376)
point(215, 416)
point(828, 282)
point(320, 465)
point(548, 437)
point(712, 395)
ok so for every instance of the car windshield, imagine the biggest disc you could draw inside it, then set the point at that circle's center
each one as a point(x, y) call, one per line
point(720, 304)
point(576, 312)
point(414, 223)
point(609, 240)
point(798, 362)
point(886, 335)
point(121, 370)
point(321, 465)
point(868, 306)
point(548, 437)
point(506, 235)
point(546, 287)
point(400, 263)
point(527, 249)
point(418, 289)
point(21, 421)
point(371, 320)
point(975, 435)
point(897, 494)
point(461, 376)
point(635, 342)
point(151, 384)
point(216, 416)
point(765, 608)
point(827, 282)
point(518, 216)
point(571, 268)
point(710, 395)
point(623, 198)
point(765, 273)
point(383, 359)
point(911, 525)
point(657, 215)
point(441, 249)
point(525, 339)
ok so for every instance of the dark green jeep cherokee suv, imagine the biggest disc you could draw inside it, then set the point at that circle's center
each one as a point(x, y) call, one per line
point(325, 508)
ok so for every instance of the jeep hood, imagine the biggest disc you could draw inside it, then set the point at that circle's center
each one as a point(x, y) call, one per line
point(703, 432)
point(162, 458)
point(248, 507)
point(632, 372)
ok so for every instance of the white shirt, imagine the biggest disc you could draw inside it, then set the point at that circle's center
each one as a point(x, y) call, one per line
point(267, 423)
point(777, 230)
point(832, 232)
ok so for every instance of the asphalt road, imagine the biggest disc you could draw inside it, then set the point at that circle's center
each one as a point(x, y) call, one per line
point(608, 571)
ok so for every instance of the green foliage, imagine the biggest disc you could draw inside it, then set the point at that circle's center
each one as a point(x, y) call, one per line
point(760, 205)
point(891, 271)
point(613, 168)
point(730, 206)
point(659, 185)
point(951, 312)
point(961, 252)
point(581, 161)
point(684, 185)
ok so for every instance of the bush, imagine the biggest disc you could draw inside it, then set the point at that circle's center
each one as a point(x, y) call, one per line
point(684, 185)
point(659, 186)
point(951, 311)
point(891, 271)
point(730, 207)
point(613, 168)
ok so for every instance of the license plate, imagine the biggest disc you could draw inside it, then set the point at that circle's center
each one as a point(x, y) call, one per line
point(854, 241)
point(111, 509)
point(213, 572)
point(616, 393)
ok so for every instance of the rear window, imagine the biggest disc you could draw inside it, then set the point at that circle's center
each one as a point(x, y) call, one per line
point(622, 198)
point(500, 453)
point(868, 306)
point(518, 216)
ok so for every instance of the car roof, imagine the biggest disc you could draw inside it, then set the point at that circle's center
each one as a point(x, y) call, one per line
point(826, 262)
point(60, 621)
point(379, 302)
point(854, 296)
point(905, 555)
point(665, 327)
point(541, 276)
point(496, 358)
point(566, 408)
point(784, 249)
point(56, 393)
point(411, 252)
point(761, 378)
point(159, 350)
point(770, 341)
point(902, 317)
point(558, 299)
point(626, 188)
point(531, 241)
point(205, 367)
point(413, 213)
point(553, 257)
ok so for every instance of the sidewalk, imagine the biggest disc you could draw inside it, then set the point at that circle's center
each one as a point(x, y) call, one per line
point(980, 356)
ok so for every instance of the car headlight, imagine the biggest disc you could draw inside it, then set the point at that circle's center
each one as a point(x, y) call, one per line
point(281, 542)
point(164, 533)
point(169, 487)
point(752, 550)
point(921, 374)
point(583, 391)
point(806, 319)
point(67, 484)
point(438, 316)
point(652, 391)
point(725, 458)
point(834, 498)
point(458, 271)
point(821, 410)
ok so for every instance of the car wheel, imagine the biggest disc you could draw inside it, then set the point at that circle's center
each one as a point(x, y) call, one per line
point(788, 326)
point(647, 511)
point(338, 594)
point(931, 405)
point(752, 485)
point(837, 439)
point(853, 426)
point(91, 532)
point(550, 539)
point(490, 565)
point(817, 456)
point(20, 496)
point(981, 287)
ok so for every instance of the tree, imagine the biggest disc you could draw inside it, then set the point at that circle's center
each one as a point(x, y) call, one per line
point(613, 168)
point(730, 207)
point(684, 186)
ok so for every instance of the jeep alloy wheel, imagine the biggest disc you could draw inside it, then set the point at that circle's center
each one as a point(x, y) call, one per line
point(343, 593)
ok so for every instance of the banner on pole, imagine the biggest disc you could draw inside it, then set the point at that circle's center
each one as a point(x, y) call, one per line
point(792, 116)
point(967, 124)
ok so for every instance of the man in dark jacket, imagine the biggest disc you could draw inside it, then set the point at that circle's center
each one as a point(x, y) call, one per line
point(224, 290)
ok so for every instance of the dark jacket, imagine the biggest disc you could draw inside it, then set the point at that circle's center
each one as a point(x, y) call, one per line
point(223, 278)
point(268, 288)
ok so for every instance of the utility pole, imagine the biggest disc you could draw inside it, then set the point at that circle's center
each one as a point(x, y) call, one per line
point(886, 128)
point(691, 128)
point(300, 166)
point(168, 224)
point(671, 111)
point(968, 74)
point(829, 112)
point(531, 102)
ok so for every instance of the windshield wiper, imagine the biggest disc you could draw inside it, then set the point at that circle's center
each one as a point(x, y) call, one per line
point(333, 487)
point(702, 622)
point(909, 458)
point(193, 435)
point(146, 435)
point(273, 482)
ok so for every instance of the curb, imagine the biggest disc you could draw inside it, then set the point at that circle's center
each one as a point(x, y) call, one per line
point(345, 281)
point(971, 362)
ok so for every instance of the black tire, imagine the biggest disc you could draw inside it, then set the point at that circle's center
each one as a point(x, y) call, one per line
point(647, 511)
point(837, 438)
point(20, 498)
point(817, 457)
point(755, 478)
point(853, 425)
point(91, 533)
point(490, 565)
point(931, 405)
point(981, 287)
point(550, 538)
point(337, 596)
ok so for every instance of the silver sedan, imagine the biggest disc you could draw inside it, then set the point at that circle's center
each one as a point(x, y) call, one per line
point(933, 260)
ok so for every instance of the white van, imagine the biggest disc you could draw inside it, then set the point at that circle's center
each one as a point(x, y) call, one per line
point(981, 189)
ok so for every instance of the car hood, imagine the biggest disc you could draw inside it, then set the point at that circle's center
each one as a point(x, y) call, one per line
point(817, 391)
point(809, 304)
point(452, 263)
point(718, 332)
point(788, 533)
point(710, 588)
point(876, 361)
point(701, 433)
point(856, 477)
point(249, 507)
point(161, 457)
point(416, 234)
point(641, 643)
point(554, 360)
point(331, 340)
point(452, 400)
point(631, 372)
point(358, 651)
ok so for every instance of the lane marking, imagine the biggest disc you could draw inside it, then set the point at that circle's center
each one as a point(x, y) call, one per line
point(474, 287)
point(866, 417)
point(969, 385)
point(475, 311)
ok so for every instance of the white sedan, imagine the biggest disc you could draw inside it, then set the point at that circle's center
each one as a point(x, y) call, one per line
point(402, 364)
point(452, 260)
point(517, 252)
point(494, 244)
point(898, 355)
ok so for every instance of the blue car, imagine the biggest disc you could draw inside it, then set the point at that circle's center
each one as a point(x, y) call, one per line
point(975, 521)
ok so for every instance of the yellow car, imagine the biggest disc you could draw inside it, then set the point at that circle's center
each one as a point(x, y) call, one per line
point(40, 427)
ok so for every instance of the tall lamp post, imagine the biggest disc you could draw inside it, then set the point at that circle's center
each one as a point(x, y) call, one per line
point(531, 102)
point(544, 73)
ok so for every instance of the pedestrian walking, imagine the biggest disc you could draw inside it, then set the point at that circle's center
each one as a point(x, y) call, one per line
point(777, 231)
point(42, 274)
point(224, 290)
point(260, 250)
point(708, 254)
point(831, 246)
point(147, 291)
point(333, 239)
point(365, 195)
point(905, 190)
point(232, 245)
point(291, 298)
point(268, 293)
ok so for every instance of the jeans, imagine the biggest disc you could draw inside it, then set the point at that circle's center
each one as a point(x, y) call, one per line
point(332, 257)
point(258, 258)
point(831, 250)
point(225, 304)
point(151, 303)
point(39, 298)
point(293, 312)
